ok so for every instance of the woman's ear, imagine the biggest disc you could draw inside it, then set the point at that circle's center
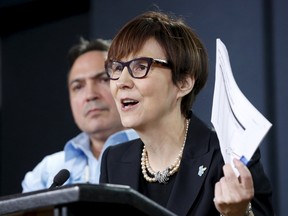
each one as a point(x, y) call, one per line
point(186, 86)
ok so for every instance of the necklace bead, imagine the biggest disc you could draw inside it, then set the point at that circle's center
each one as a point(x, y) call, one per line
point(161, 176)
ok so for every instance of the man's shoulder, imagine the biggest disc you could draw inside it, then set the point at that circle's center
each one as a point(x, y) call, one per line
point(131, 134)
point(54, 157)
point(130, 145)
point(121, 137)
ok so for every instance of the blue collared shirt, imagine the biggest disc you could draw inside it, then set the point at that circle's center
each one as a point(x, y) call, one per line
point(77, 158)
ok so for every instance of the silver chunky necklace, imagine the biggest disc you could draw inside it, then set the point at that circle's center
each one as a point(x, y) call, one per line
point(161, 176)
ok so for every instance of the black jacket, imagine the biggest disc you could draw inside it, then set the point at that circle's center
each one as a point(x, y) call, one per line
point(191, 194)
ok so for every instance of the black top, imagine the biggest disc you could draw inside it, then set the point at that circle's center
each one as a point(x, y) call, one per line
point(156, 191)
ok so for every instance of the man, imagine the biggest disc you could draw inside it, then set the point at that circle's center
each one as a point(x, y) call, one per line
point(95, 114)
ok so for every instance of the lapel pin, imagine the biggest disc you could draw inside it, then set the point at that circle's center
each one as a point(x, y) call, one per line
point(201, 170)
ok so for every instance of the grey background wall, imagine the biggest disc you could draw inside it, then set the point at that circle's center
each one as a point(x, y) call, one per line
point(36, 35)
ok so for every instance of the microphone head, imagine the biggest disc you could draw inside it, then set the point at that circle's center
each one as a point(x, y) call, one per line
point(61, 177)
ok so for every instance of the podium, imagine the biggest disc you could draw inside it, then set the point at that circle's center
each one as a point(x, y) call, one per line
point(81, 199)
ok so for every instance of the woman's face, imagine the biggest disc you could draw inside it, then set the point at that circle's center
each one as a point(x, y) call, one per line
point(141, 102)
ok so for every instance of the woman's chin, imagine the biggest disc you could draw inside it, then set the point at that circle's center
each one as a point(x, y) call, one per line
point(128, 123)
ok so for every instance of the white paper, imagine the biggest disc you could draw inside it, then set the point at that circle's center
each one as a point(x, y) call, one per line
point(240, 127)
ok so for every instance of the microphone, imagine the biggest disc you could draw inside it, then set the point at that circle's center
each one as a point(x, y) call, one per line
point(60, 178)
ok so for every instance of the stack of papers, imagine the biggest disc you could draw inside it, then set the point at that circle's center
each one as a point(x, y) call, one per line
point(240, 127)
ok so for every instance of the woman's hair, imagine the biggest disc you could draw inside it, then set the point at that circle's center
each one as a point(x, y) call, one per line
point(184, 50)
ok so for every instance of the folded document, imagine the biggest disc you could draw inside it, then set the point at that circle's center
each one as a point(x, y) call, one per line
point(240, 127)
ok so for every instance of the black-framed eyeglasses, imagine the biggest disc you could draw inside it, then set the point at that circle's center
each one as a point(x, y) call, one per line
point(138, 68)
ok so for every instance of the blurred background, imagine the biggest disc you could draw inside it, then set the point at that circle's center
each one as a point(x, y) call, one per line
point(35, 36)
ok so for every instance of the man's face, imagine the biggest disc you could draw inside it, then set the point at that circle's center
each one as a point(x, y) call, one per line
point(92, 104)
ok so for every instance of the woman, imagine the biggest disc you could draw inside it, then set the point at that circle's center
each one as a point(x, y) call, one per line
point(157, 66)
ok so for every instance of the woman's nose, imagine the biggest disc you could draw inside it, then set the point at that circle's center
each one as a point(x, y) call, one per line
point(125, 80)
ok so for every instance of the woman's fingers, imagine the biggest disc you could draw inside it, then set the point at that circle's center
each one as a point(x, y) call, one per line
point(232, 193)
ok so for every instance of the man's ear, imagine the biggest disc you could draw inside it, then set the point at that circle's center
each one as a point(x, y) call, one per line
point(186, 86)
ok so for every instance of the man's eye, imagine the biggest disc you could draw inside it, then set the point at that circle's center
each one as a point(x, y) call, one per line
point(76, 87)
point(104, 79)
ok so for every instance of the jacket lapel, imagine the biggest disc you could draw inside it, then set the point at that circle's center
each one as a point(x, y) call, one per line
point(189, 180)
point(194, 167)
